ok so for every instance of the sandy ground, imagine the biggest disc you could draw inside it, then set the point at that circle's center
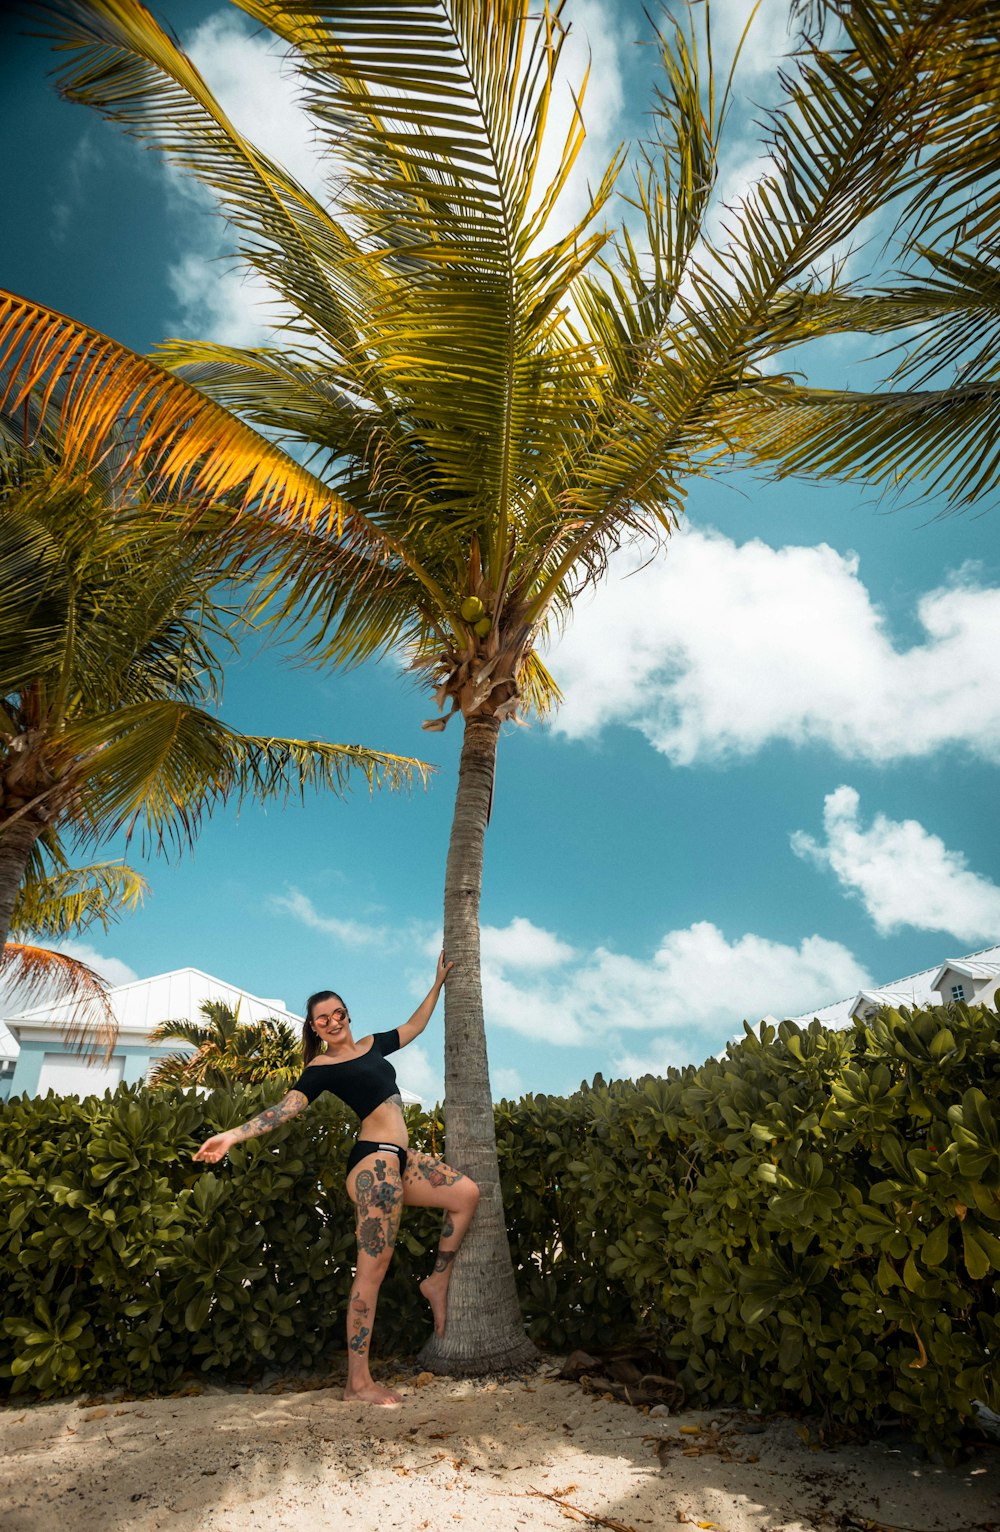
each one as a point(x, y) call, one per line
point(505, 1454)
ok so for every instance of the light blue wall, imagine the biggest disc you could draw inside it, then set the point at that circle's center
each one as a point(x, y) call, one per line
point(135, 1059)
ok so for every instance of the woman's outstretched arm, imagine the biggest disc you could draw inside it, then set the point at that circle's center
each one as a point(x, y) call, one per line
point(219, 1144)
point(422, 1015)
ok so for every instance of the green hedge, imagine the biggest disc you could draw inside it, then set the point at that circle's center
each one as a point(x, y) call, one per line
point(124, 1264)
point(813, 1221)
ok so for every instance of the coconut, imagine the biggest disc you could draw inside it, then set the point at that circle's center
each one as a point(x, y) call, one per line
point(472, 609)
point(482, 627)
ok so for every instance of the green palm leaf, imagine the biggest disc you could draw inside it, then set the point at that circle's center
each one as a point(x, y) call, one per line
point(72, 898)
point(170, 764)
point(945, 441)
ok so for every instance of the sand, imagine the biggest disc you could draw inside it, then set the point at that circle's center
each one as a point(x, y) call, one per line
point(530, 1453)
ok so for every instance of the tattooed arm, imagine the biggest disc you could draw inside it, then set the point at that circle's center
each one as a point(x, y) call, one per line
point(215, 1148)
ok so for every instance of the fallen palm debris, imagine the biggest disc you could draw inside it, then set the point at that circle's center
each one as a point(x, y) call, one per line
point(625, 1374)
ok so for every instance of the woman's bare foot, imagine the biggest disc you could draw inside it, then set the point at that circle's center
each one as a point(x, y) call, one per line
point(371, 1393)
point(435, 1290)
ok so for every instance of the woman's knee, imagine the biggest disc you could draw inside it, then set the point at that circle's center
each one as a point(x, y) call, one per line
point(372, 1265)
point(470, 1193)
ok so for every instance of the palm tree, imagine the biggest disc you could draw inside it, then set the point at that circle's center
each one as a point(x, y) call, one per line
point(497, 406)
point(108, 634)
point(226, 1053)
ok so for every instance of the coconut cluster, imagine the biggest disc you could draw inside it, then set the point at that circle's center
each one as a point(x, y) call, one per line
point(474, 613)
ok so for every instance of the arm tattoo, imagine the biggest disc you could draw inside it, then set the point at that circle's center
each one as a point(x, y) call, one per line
point(273, 1117)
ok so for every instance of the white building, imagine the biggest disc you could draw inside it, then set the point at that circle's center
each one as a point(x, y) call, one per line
point(974, 979)
point(45, 1061)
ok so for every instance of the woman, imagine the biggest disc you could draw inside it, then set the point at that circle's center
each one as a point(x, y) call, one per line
point(382, 1175)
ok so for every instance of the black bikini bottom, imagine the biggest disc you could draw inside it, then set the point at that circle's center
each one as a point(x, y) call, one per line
point(365, 1146)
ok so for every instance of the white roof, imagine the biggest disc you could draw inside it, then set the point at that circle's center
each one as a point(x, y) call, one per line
point(917, 989)
point(8, 1045)
point(140, 1006)
point(968, 969)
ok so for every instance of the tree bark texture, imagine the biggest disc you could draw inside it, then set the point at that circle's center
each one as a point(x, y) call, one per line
point(16, 842)
point(485, 1331)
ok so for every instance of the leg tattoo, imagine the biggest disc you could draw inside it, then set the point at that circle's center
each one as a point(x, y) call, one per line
point(431, 1183)
point(378, 1198)
point(359, 1311)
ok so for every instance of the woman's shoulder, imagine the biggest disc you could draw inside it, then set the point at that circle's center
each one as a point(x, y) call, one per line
point(364, 1045)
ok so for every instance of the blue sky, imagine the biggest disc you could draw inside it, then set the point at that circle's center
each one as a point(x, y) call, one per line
point(773, 779)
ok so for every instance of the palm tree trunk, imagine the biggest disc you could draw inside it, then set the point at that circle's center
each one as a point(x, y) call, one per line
point(485, 1332)
point(16, 842)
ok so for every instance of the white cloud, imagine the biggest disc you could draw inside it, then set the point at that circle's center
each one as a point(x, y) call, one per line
point(767, 41)
point(260, 92)
point(904, 874)
point(77, 166)
point(507, 1084)
point(719, 648)
point(694, 990)
point(219, 299)
point(417, 1074)
point(111, 969)
point(352, 933)
point(522, 945)
point(595, 39)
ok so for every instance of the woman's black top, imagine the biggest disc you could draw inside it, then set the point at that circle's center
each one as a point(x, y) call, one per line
point(362, 1083)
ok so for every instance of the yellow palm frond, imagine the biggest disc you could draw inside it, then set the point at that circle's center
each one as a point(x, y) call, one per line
point(178, 438)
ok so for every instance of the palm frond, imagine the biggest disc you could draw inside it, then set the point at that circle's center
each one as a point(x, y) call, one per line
point(41, 976)
point(179, 439)
point(943, 441)
point(439, 143)
point(686, 330)
point(225, 1053)
point(73, 898)
point(34, 599)
point(182, 1030)
point(167, 765)
point(173, 1069)
point(540, 691)
point(953, 185)
point(118, 59)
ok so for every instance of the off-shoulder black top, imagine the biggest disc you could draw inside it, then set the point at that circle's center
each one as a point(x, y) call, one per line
point(362, 1083)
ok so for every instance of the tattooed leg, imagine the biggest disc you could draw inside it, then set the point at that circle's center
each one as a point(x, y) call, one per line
point(377, 1192)
point(430, 1183)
